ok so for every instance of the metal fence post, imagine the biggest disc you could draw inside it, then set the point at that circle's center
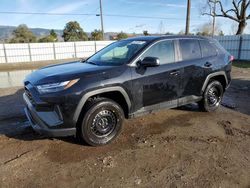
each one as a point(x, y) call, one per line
point(240, 47)
point(5, 54)
point(54, 51)
point(29, 52)
point(75, 49)
point(95, 46)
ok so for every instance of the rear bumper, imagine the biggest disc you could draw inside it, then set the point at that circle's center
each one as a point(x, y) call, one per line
point(46, 123)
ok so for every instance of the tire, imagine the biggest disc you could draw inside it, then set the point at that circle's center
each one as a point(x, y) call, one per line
point(212, 96)
point(101, 123)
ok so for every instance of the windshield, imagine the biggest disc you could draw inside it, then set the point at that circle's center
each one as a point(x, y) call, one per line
point(117, 53)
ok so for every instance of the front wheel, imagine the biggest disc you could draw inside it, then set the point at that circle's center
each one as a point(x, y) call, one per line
point(212, 97)
point(102, 122)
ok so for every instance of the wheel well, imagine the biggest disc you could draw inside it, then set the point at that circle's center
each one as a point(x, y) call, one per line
point(113, 95)
point(221, 79)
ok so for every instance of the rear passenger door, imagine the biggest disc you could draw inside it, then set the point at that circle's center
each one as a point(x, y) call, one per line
point(209, 56)
point(191, 60)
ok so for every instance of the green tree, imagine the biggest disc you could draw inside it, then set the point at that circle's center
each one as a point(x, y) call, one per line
point(181, 32)
point(96, 35)
point(53, 33)
point(221, 33)
point(122, 35)
point(47, 38)
point(22, 34)
point(169, 33)
point(74, 32)
point(52, 37)
point(145, 33)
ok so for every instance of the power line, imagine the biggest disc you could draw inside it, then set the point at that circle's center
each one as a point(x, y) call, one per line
point(93, 14)
point(142, 17)
point(148, 17)
point(48, 13)
point(87, 14)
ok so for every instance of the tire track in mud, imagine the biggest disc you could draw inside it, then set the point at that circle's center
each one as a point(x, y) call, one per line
point(231, 131)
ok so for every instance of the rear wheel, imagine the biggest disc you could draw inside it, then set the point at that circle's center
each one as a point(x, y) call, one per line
point(212, 96)
point(101, 123)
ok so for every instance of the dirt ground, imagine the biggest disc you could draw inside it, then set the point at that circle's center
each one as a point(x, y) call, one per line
point(172, 148)
point(32, 65)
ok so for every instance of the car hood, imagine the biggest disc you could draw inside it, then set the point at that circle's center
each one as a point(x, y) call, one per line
point(64, 72)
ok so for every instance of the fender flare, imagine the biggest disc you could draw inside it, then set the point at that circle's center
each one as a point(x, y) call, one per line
point(99, 91)
point(220, 73)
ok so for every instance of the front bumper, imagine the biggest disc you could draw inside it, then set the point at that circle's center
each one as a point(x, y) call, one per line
point(46, 122)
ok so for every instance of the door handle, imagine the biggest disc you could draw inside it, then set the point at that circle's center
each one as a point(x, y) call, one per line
point(208, 64)
point(174, 73)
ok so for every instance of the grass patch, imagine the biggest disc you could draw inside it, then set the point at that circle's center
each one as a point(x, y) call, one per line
point(241, 63)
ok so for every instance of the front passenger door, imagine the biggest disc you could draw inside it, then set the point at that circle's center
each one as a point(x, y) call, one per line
point(158, 84)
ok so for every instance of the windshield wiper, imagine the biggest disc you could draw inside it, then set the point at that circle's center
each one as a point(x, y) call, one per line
point(90, 62)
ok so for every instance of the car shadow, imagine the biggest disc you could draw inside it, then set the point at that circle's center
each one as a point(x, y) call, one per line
point(237, 96)
point(13, 122)
point(20, 129)
point(11, 103)
point(193, 107)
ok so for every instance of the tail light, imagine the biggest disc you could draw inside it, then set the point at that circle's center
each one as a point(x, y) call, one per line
point(231, 58)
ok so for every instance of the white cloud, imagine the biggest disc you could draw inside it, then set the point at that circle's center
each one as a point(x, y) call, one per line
point(24, 1)
point(24, 4)
point(174, 5)
point(67, 8)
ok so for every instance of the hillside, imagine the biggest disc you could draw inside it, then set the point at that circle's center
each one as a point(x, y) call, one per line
point(6, 32)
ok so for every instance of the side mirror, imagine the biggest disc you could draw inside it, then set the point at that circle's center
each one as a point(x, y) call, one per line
point(150, 62)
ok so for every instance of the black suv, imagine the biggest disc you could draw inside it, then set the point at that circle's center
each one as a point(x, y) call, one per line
point(129, 78)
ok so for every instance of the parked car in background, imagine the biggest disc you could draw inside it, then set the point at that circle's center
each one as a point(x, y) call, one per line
point(128, 78)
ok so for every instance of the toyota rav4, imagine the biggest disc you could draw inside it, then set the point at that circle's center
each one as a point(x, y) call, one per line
point(90, 99)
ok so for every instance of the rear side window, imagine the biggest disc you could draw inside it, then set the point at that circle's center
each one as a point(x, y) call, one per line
point(163, 50)
point(190, 49)
point(207, 49)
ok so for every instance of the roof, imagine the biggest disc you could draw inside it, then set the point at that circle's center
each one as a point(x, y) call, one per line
point(155, 38)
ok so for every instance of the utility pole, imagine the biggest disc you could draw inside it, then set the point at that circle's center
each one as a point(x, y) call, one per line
point(101, 16)
point(214, 9)
point(188, 17)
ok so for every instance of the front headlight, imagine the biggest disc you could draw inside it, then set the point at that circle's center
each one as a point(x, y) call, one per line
point(54, 87)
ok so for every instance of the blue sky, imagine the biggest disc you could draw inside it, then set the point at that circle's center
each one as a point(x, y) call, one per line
point(174, 10)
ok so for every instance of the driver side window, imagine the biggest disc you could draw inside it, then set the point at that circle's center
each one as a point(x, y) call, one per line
point(163, 50)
